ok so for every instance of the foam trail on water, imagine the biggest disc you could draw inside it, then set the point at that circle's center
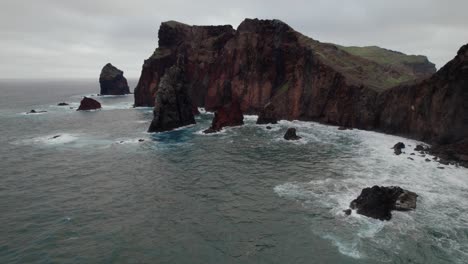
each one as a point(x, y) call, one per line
point(442, 202)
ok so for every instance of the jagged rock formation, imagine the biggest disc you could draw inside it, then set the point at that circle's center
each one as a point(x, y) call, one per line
point(173, 105)
point(88, 104)
point(266, 61)
point(267, 115)
point(228, 115)
point(379, 202)
point(112, 81)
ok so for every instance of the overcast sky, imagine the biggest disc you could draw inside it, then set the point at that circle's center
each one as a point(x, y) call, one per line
point(76, 38)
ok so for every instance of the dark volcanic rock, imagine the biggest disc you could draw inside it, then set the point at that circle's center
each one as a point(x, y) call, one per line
point(36, 112)
point(89, 104)
point(228, 115)
point(291, 134)
point(267, 115)
point(62, 104)
point(173, 107)
point(112, 81)
point(456, 152)
point(419, 148)
point(397, 148)
point(195, 110)
point(378, 202)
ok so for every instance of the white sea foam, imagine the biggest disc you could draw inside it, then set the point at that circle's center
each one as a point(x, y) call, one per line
point(442, 201)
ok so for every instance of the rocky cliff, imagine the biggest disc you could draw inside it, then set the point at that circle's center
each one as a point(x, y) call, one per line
point(434, 110)
point(266, 61)
point(112, 81)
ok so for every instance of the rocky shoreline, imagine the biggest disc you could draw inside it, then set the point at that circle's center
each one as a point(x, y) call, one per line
point(274, 71)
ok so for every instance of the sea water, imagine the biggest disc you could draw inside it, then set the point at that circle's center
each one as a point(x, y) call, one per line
point(96, 194)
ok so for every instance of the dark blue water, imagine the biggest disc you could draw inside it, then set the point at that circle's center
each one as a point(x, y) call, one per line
point(95, 194)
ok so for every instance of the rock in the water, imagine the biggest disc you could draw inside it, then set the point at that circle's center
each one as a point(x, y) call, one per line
point(410, 158)
point(347, 211)
point(228, 115)
point(378, 202)
point(54, 137)
point(89, 104)
point(427, 160)
point(268, 127)
point(112, 81)
point(141, 140)
point(173, 107)
point(291, 134)
point(267, 115)
point(62, 104)
point(36, 112)
point(397, 148)
point(419, 148)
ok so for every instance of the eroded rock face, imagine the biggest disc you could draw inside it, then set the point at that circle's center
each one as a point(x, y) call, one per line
point(267, 115)
point(291, 134)
point(228, 115)
point(433, 110)
point(378, 202)
point(173, 107)
point(89, 104)
point(112, 81)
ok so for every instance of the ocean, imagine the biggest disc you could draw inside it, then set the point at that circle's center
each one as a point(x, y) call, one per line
point(96, 194)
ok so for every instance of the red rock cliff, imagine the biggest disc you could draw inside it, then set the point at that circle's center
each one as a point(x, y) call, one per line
point(266, 61)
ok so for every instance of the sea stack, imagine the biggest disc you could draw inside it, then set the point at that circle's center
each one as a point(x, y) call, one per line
point(112, 81)
point(267, 115)
point(173, 107)
point(226, 116)
point(89, 104)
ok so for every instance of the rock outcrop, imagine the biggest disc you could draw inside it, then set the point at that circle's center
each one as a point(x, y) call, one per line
point(228, 115)
point(378, 202)
point(266, 61)
point(267, 115)
point(89, 104)
point(112, 81)
point(398, 147)
point(291, 134)
point(173, 107)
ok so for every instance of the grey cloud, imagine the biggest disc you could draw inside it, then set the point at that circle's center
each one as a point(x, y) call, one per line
point(74, 39)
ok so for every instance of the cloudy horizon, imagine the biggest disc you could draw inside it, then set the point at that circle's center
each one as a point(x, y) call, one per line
point(65, 39)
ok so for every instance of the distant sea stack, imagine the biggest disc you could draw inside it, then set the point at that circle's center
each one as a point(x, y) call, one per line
point(112, 81)
point(267, 62)
point(173, 105)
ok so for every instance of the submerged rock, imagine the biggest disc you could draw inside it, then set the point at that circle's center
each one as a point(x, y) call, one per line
point(378, 202)
point(36, 111)
point(173, 107)
point(228, 115)
point(112, 81)
point(89, 104)
point(291, 134)
point(267, 115)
